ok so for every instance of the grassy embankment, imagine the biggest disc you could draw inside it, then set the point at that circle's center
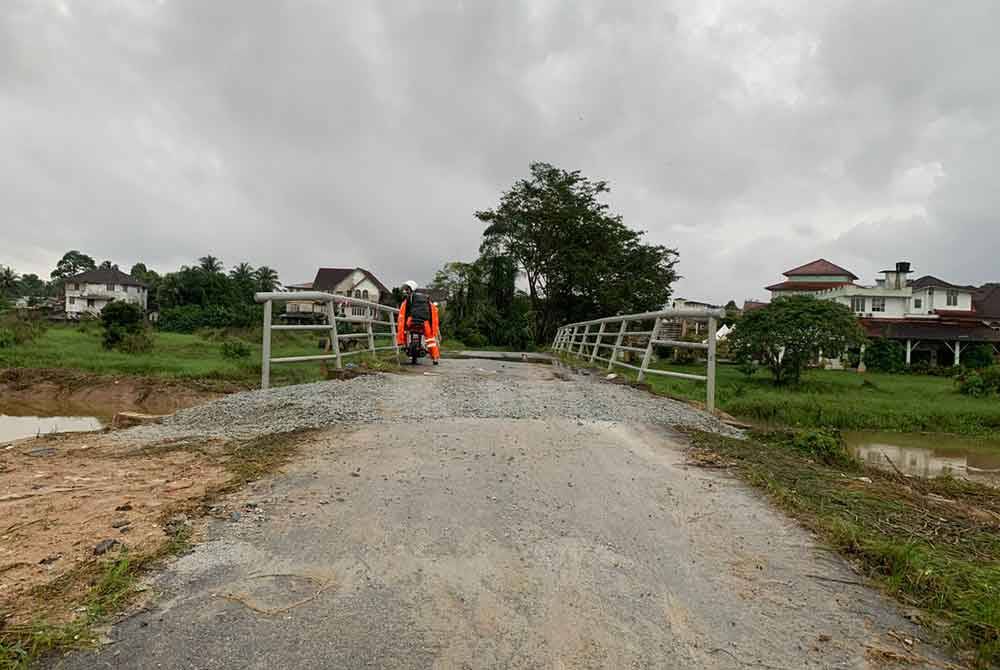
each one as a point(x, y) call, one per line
point(933, 544)
point(174, 355)
point(840, 399)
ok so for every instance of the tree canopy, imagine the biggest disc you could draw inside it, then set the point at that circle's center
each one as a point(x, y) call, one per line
point(73, 263)
point(792, 331)
point(578, 259)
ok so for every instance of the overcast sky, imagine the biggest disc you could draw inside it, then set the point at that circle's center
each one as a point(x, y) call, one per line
point(751, 136)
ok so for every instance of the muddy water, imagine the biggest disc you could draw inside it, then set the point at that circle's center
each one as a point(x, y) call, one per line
point(930, 455)
point(19, 420)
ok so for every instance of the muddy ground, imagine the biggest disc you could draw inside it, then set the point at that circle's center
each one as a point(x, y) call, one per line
point(63, 495)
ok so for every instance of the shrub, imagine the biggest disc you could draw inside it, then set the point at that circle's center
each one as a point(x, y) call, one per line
point(235, 350)
point(979, 383)
point(6, 338)
point(23, 328)
point(474, 340)
point(826, 446)
point(189, 318)
point(137, 343)
point(979, 356)
point(120, 319)
point(882, 355)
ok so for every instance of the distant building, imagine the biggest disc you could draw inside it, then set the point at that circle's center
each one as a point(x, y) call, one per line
point(88, 292)
point(928, 314)
point(349, 282)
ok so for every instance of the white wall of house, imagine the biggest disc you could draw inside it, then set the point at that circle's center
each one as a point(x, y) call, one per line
point(356, 285)
point(934, 298)
point(85, 298)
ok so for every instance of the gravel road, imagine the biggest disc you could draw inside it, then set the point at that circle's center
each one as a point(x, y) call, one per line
point(459, 388)
point(495, 517)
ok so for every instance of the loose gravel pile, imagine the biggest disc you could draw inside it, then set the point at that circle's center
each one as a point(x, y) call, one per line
point(461, 393)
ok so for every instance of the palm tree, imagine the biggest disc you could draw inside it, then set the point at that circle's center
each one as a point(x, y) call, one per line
point(267, 278)
point(210, 263)
point(8, 280)
point(243, 273)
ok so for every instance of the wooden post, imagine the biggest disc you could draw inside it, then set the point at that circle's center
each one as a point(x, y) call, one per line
point(618, 343)
point(597, 344)
point(265, 357)
point(710, 399)
point(909, 350)
point(331, 315)
point(649, 350)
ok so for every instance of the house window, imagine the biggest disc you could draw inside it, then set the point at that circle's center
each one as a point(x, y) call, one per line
point(364, 294)
point(878, 304)
point(293, 307)
point(952, 298)
point(857, 304)
point(72, 300)
point(357, 293)
point(918, 303)
point(111, 287)
point(90, 302)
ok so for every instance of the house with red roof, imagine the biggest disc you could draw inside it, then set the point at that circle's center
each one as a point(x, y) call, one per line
point(928, 316)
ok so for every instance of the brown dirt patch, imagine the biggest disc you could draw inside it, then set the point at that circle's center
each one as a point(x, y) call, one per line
point(61, 495)
point(70, 392)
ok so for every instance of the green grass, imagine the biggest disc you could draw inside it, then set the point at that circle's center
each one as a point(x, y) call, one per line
point(933, 544)
point(839, 399)
point(174, 355)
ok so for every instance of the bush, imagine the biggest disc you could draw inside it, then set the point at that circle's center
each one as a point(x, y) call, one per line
point(235, 350)
point(137, 343)
point(6, 338)
point(826, 446)
point(474, 340)
point(979, 356)
point(189, 318)
point(23, 329)
point(884, 355)
point(979, 383)
point(120, 319)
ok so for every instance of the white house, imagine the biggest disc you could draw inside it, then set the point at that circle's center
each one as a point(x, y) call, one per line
point(926, 315)
point(89, 292)
point(350, 282)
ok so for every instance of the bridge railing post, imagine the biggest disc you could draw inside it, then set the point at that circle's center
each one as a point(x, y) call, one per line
point(616, 351)
point(265, 356)
point(597, 344)
point(710, 373)
point(649, 350)
point(583, 341)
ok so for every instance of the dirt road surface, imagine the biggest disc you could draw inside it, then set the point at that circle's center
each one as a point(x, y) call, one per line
point(473, 543)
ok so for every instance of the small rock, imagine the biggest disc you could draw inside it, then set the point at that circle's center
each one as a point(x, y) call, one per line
point(42, 451)
point(324, 502)
point(125, 529)
point(48, 560)
point(355, 474)
point(104, 546)
point(235, 516)
point(824, 637)
point(866, 480)
point(127, 507)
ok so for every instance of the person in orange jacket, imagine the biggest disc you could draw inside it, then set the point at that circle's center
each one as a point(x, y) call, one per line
point(418, 313)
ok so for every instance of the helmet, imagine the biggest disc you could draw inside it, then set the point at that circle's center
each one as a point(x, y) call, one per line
point(412, 285)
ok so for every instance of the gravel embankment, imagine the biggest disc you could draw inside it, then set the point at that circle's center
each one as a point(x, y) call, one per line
point(461, 390)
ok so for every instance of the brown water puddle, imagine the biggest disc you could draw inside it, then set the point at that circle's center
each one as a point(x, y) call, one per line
point(929, 454)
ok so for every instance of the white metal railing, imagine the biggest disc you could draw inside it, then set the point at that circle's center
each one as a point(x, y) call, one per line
point(363, 312)
point(586, 340)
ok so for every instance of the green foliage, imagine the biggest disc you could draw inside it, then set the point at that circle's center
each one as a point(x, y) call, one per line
point(235, 350)
point(137, 343)
point(979, 356)
point(979, 383)
point(825, 445)
point(210, 263)
point(6, 338)
point(8, 281)
point(21, 329)
point(73, 263)
point(883, 355)
point(190, 318)
point(790, 332)
point(121, 320)
point(266, 279)
point(578, 259)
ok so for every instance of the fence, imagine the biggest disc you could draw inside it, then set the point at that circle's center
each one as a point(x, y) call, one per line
point(587, 340)
point(368, 314)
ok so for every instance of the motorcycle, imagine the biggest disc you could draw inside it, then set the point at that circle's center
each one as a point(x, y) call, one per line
point(415, 348)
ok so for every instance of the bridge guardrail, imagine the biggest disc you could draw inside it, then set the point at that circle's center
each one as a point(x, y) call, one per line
point(578, 339)
point(374, 315)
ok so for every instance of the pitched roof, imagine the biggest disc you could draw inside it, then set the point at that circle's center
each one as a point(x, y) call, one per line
point(930, 280)
point(327, 279)
point(750, 305)
point(819, 267)
point(986, 301)
point(806, 285)
point(99, 276)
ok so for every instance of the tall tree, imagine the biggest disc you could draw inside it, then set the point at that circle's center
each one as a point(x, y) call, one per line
point(72, 263)
point(267, 279)
point(32, 285)
point(210, 263)
point(243, 272)
point(8, 280)
point(107, 265)
point(578, 259)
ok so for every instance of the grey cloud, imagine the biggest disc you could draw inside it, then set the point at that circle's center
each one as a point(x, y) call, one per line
point(295, 134)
